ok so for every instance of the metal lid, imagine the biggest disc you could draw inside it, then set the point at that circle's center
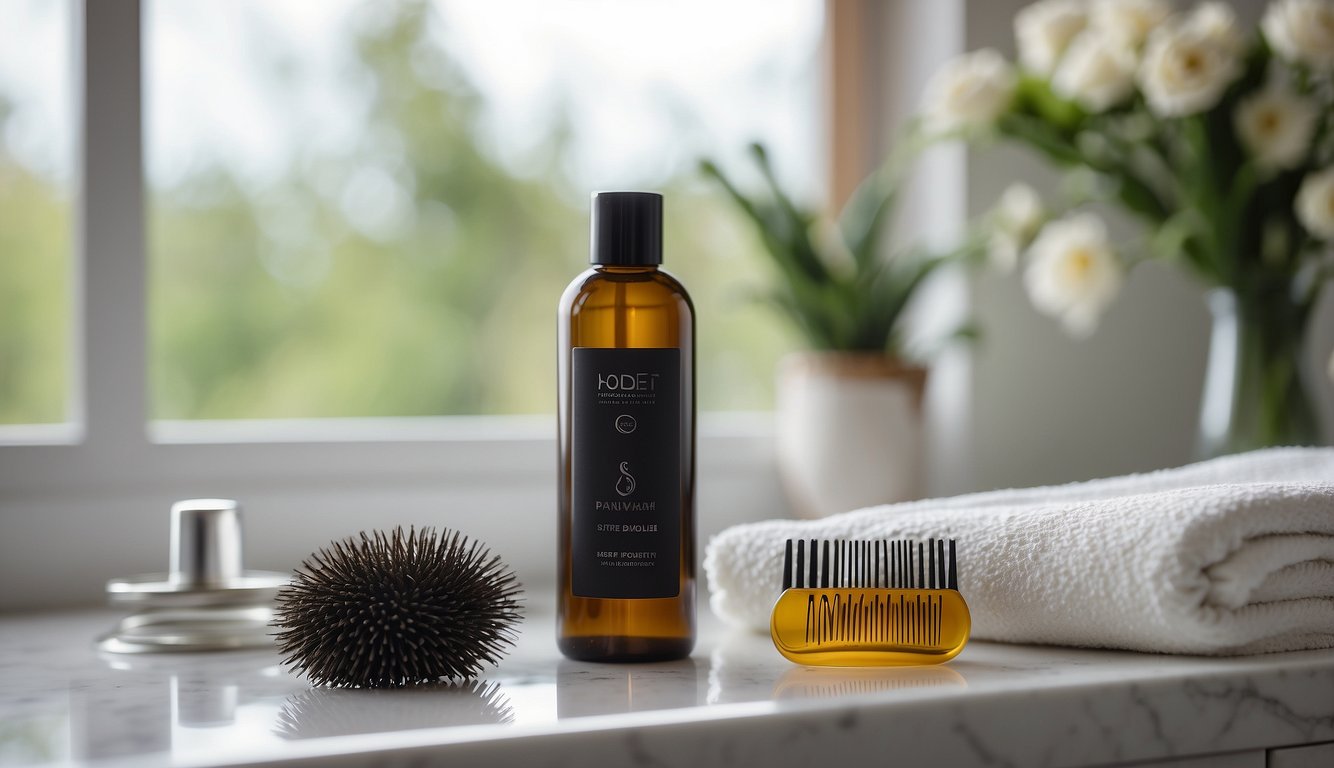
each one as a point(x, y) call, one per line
point(205, 542)
point(207, 601)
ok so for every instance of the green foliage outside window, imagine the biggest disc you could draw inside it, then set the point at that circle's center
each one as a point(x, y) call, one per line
point(266, 302)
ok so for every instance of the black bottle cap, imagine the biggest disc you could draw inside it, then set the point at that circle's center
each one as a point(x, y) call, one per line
point(626, 229)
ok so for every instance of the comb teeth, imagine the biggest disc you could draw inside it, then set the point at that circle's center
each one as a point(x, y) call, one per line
point(882, 563)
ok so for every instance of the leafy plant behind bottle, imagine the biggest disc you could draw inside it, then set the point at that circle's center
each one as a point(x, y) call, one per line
point(833, 285)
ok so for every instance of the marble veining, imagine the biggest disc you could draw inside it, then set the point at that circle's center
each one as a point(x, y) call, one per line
point(735, 702)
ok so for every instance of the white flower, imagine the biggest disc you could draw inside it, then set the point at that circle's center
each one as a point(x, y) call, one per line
point(1301, 31)
point(1276, 127)
point(1015, 219)
point(1128, 22)
point(1217, 22)
point(1097, 72)
point(971, 90)
point(1003, 251)
point(1185, 70)
point(1044, 29)
point(1315, 203)
point(1073, 274)
point(1019, 211)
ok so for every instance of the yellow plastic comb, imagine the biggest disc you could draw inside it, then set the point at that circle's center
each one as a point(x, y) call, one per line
point(870, 603)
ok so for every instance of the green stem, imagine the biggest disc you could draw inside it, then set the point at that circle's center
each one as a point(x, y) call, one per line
point(1269, 404)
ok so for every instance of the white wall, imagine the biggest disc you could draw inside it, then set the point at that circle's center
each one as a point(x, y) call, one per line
point(911, 40)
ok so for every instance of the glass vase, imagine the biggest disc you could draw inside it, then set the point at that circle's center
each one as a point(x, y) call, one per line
point(1254, 395)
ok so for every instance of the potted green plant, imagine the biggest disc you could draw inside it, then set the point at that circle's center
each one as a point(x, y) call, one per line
point(849, 413)
point(1219, 141)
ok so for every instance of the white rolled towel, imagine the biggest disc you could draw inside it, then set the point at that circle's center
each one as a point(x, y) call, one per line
point(1229, 556)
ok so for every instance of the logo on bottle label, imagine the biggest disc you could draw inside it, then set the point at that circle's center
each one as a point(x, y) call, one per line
point(626, 485)
point(643, 381)
point(625, 466)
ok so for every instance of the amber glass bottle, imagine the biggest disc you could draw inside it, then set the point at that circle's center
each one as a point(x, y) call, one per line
point(626, 582)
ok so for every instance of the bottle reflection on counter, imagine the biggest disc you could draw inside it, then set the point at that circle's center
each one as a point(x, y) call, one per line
point(586, 690)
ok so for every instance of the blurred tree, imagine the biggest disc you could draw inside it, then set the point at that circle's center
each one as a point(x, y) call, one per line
point(378, 283)
point(34, 291)
point(410, 274)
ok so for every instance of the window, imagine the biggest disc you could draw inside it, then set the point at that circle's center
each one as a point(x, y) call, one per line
point(269, 228)
point(371, 209)
point(35, 222)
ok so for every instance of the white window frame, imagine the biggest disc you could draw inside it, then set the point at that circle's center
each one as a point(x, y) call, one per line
point(86, 501)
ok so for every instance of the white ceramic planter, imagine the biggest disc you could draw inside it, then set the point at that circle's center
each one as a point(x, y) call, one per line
point(849, 431)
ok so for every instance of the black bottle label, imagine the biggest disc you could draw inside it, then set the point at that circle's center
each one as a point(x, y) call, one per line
point(626, 473)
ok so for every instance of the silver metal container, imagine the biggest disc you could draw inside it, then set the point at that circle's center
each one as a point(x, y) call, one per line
point(207, 601)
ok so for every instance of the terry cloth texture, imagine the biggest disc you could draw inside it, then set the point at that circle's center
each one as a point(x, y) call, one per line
point(1229, 556)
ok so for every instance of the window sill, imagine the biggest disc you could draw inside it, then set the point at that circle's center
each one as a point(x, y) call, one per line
point(75, 515)
point(473, 449)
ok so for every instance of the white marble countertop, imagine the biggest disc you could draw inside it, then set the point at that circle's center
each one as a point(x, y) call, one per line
point(736, 701)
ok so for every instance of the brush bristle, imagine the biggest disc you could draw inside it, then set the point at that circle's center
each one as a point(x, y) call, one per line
point(389, 610)
point(877, 564)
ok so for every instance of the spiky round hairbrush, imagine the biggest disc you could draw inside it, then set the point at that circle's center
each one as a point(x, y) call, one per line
point(388, 610)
